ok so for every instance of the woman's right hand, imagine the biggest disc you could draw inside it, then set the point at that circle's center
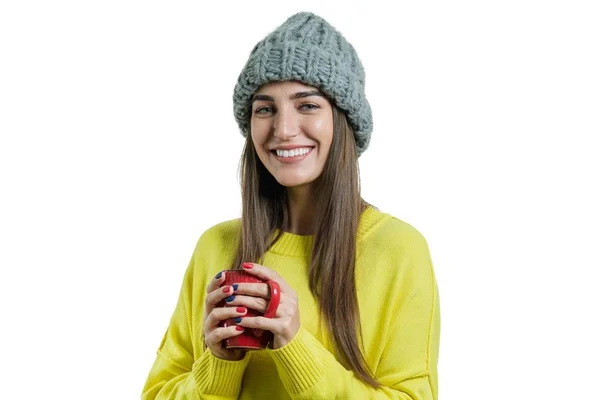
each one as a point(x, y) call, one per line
point(213, 315)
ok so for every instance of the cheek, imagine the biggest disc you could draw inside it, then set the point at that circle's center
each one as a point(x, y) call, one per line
point(257, 137)
point(320, 124)
point(259, 132)
point(323, 130)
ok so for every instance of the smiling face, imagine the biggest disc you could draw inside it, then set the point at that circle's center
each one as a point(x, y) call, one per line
point(297, 119)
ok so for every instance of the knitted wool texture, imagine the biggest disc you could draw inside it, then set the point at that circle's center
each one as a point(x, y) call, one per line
point(308, 49)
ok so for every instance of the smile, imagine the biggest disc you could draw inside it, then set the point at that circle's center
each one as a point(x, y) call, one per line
point(292, 156)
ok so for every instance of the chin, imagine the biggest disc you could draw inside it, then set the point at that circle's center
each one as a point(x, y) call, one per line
point(293, 181)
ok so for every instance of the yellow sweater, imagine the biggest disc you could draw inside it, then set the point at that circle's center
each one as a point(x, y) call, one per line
point(399, 310)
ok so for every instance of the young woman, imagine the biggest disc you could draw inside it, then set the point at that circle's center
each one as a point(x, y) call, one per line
point(359, 313)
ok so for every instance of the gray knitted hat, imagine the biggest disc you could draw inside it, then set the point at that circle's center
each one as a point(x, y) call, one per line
point(308, 49)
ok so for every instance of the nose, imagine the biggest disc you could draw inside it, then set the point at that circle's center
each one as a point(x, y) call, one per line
point(286, 123)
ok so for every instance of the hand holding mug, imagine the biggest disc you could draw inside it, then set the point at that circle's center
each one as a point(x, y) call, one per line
point(250, 339)
point(286, 321)
point(214, 333)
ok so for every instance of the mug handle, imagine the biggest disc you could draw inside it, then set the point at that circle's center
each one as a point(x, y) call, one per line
point(273, 304)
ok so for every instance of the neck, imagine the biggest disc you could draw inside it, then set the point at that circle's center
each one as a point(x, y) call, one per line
point(301, 211)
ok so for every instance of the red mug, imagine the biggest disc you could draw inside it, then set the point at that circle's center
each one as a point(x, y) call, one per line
point(250, 339)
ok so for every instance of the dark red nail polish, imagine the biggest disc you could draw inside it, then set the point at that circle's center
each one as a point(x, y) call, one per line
point(239, 328)
point(226, 289)
point(247, 265)
point(241, 310)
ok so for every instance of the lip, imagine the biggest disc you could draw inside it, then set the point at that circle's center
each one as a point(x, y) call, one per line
point(292, 160)
point(290, 147)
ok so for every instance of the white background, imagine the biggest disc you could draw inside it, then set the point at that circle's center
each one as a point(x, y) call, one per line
point(118, 148)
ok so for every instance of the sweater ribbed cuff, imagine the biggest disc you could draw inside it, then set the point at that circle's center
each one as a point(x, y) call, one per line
point(301, 363)
point(217, 376)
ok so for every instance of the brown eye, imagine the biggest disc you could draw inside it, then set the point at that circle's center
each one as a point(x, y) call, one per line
point(310, 106)
point(261, 109)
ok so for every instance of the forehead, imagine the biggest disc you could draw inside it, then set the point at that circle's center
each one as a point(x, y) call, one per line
point(285, 87)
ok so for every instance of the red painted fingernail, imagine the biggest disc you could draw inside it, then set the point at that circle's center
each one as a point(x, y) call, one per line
point(241, 310)
point(226, 289)
point(239, 328)
point(247, 265)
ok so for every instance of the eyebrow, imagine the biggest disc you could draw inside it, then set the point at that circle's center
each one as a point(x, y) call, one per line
point(295, 96)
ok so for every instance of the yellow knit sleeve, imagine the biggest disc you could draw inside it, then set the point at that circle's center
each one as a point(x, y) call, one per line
point(309, 371)
point(175, 373)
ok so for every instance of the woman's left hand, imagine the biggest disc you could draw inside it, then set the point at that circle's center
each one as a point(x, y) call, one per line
point(286, 322)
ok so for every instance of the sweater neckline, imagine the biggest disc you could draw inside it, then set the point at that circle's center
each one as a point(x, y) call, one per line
point(291, 244)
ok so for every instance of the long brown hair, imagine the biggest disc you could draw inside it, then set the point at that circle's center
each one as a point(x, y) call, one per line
point(338, 204)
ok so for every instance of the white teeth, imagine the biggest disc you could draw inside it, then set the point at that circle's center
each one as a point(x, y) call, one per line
point(293, 153)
